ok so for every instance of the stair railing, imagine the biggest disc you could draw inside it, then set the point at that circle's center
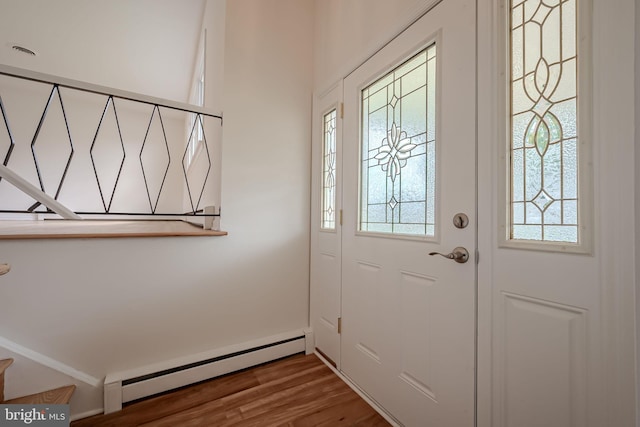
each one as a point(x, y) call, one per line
point(47, 198)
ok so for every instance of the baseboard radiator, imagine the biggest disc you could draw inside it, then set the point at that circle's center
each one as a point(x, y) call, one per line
point(136, 384)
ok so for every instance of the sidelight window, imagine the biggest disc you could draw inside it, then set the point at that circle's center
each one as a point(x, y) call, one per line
point(544, 131)
point(329, 171)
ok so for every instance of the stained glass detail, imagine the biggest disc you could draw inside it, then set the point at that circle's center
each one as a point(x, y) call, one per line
point(329, 171)
point(398, 149)
point(544, 138)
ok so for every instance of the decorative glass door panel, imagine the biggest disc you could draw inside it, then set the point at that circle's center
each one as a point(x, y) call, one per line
point(329, 171)
point(398, 149)
point(544, 131)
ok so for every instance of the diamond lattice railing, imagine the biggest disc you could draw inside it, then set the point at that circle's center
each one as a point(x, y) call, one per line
point(193, 181)
point(6, 139)
point(53, 136)
point(155, 132)
point(76, 150)
point(106, 145)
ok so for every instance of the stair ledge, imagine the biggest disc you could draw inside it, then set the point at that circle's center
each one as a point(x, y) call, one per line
point(4, 364)
point(69, 229)
point(58, 396)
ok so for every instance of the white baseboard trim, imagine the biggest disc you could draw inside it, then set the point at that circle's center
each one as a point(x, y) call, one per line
point(49, 362)
point(146, 381)
point(360, 393)
point(310, 342)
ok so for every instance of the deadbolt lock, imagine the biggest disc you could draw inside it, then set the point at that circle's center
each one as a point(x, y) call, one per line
point(460, 220)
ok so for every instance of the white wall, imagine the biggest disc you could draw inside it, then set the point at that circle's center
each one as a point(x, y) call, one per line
point(123, 42)
point(105, 305)
point(348, 32)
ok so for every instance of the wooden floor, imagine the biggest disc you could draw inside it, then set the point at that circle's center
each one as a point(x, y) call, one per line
point(298, 391)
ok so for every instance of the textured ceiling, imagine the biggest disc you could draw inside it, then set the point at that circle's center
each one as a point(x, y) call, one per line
point(143, 46)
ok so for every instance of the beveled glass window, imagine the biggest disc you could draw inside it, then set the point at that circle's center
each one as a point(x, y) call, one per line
point(544, 121)
point(329, 171)
point(398, 149)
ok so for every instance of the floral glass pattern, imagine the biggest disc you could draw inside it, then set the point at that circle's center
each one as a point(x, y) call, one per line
point(543, 118)
point(329, 171)
point(398, 149)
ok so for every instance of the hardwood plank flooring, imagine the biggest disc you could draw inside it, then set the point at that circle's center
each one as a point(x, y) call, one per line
point(298, 391)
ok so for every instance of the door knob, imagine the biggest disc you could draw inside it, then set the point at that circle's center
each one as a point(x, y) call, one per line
point(459, 255)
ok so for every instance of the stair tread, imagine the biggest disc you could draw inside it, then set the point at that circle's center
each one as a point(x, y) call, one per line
point(4, 364)
point(57, 396)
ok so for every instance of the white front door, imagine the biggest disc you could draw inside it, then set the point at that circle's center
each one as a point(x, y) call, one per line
point(408, 319)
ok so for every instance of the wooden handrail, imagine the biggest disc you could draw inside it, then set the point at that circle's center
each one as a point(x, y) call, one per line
point(4, 269)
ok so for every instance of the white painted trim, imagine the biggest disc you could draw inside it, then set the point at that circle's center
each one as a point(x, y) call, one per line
point(585, 135)
point(112, 396)
point(189, 376)
point(115, 393)
point(613, 86)
point(102, 90)
point(50, 363)
point(211, 222)
point(487, 158)
point(29, 189)
point(194, 358)
point(86, 414)
point(360, 393)
point(309, 341)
